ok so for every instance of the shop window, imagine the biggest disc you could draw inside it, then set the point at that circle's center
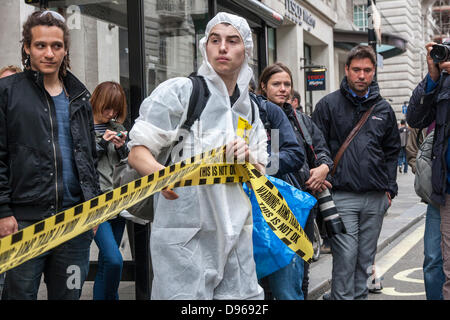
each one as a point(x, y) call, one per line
point(254, 62)
point(307, 54)
point(172, 31)
point(360, 16)
point(271, 46)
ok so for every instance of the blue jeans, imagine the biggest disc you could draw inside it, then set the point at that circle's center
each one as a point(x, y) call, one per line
point(286, 283)
point(433, 273)
point(402, 160)
point(110, 261)
point(65, 269)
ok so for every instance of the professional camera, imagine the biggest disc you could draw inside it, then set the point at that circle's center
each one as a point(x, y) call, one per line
point(440, 52)
point(333, 222)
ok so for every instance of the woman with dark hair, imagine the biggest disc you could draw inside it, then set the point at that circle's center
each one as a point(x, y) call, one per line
point(109, 109)
point(275, 84)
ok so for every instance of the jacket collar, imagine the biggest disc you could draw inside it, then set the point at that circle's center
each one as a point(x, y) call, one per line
point(288, 109)
point(73, 86)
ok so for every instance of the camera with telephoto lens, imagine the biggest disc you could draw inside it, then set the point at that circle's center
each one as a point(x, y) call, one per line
point(333, 222)
point(440, 52)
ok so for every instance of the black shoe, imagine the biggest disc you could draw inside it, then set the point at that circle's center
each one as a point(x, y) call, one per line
point(376, 290)
point(378, 287)
point(326, 296)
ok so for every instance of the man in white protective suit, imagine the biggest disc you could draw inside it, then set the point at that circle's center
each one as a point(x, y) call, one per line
point(201, 237)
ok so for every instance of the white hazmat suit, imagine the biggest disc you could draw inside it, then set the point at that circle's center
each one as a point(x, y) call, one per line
point(201, 243)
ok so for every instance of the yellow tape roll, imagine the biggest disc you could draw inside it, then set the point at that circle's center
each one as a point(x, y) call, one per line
point(203, 169)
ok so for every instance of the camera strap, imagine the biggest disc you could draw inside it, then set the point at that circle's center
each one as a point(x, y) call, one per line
point(350, 137)
point(305, 134)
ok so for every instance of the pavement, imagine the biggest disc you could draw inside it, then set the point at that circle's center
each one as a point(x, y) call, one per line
point(405, 211)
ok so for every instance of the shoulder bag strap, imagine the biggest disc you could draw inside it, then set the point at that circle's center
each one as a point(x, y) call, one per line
point(305, 133)
point(350, 137)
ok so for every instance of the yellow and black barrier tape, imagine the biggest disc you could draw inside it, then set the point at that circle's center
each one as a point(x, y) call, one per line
point(203, 169)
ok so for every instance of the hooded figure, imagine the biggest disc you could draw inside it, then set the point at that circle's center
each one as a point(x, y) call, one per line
point(201, 242)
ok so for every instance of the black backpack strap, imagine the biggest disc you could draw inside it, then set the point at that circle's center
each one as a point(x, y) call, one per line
point(197, 102)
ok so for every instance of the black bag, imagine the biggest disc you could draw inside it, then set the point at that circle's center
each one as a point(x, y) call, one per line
point(124, 174)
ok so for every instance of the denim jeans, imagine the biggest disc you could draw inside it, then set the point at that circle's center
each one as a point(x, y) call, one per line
point(286, 283)
point(65, 269)
point(402, 160)
point(445, 246)
point(433, 273)
point(110, 261)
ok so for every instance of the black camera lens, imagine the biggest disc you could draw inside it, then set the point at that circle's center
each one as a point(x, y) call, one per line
point(330, 215)
point(440, 53)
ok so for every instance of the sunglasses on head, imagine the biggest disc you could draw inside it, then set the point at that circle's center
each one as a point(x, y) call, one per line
point(55, 15)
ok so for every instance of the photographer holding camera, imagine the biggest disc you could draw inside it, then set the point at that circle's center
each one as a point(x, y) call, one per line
point(430, 102)
point(364, 171)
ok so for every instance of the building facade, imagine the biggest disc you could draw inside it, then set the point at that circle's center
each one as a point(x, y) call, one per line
point(305, 43)
point(141, 43)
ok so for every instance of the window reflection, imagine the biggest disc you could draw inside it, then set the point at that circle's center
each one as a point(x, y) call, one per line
point(173, 29)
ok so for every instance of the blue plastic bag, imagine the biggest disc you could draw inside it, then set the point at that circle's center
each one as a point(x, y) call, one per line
point(270, 253)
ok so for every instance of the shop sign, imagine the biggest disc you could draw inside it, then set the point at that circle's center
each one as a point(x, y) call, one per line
point(315, 80)
point(298, 14)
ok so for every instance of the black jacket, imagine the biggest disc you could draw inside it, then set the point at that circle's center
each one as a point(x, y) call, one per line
point(291, 154)
point(320, 153)
point(31, 181)
point(370, 161)
point(423, 109)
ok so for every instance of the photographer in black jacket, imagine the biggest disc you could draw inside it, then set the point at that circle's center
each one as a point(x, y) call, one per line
point(365, 178)
point(47, 156)
point(430, 102)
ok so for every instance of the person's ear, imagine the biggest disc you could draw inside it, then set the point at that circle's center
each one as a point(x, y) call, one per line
point(27, 49)
point(263, 88)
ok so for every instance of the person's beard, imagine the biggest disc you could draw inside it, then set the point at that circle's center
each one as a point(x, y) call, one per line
point(358, 90)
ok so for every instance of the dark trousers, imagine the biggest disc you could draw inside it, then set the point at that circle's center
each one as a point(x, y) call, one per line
point(65, 269)
point(309, 230)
